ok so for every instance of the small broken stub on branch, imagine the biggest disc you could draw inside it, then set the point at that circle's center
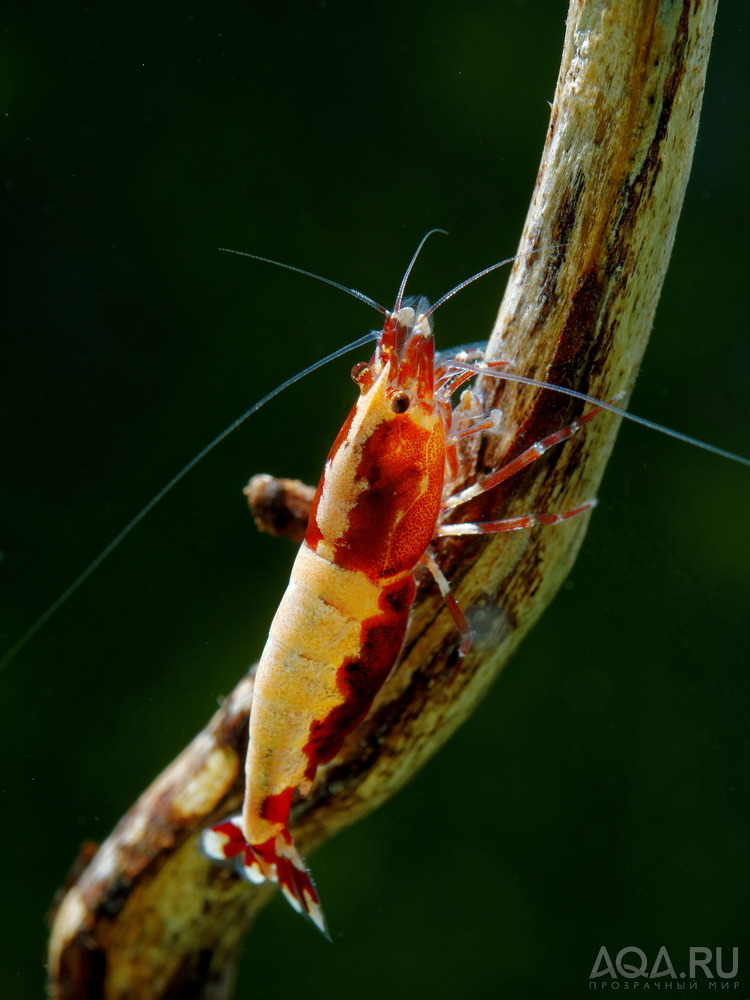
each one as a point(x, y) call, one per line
point(280, 506)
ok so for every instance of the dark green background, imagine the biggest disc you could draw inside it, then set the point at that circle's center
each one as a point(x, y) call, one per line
point(598, 796)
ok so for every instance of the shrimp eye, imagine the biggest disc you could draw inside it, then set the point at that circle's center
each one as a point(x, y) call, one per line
point(400, 402)
point(362, 375)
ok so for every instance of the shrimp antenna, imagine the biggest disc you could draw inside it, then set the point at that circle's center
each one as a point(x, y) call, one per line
point(412, 262)
point(318, 277)
point(467, 281)
point(109, 549)
point(481, 369)
point(481, 274)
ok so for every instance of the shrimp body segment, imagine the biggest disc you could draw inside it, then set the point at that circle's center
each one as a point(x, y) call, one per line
point(342, 621)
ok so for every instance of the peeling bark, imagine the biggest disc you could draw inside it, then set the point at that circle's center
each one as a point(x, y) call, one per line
point(149, 917)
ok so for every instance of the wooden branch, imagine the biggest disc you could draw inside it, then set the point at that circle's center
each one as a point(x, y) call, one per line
point(149, 917)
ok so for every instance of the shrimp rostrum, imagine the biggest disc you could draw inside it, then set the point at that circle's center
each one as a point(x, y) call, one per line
point(342, 622)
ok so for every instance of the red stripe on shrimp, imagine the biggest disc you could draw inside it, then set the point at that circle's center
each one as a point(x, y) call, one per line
point(360, 680)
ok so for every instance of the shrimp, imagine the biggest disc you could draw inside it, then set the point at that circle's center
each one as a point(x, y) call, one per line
point(342, 622)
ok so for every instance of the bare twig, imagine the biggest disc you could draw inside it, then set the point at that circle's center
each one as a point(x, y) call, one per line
point(150, 917)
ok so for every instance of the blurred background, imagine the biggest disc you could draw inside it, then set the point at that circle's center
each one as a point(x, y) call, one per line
point(598, 795)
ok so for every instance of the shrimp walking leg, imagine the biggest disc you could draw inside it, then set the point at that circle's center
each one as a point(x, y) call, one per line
point(450, 602)
point(513, 523)
point(526, 457)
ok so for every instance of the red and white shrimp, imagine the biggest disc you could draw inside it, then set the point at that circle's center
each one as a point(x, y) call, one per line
point(342, 622)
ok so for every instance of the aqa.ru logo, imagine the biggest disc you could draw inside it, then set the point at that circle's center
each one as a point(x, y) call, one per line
point(625, 966)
